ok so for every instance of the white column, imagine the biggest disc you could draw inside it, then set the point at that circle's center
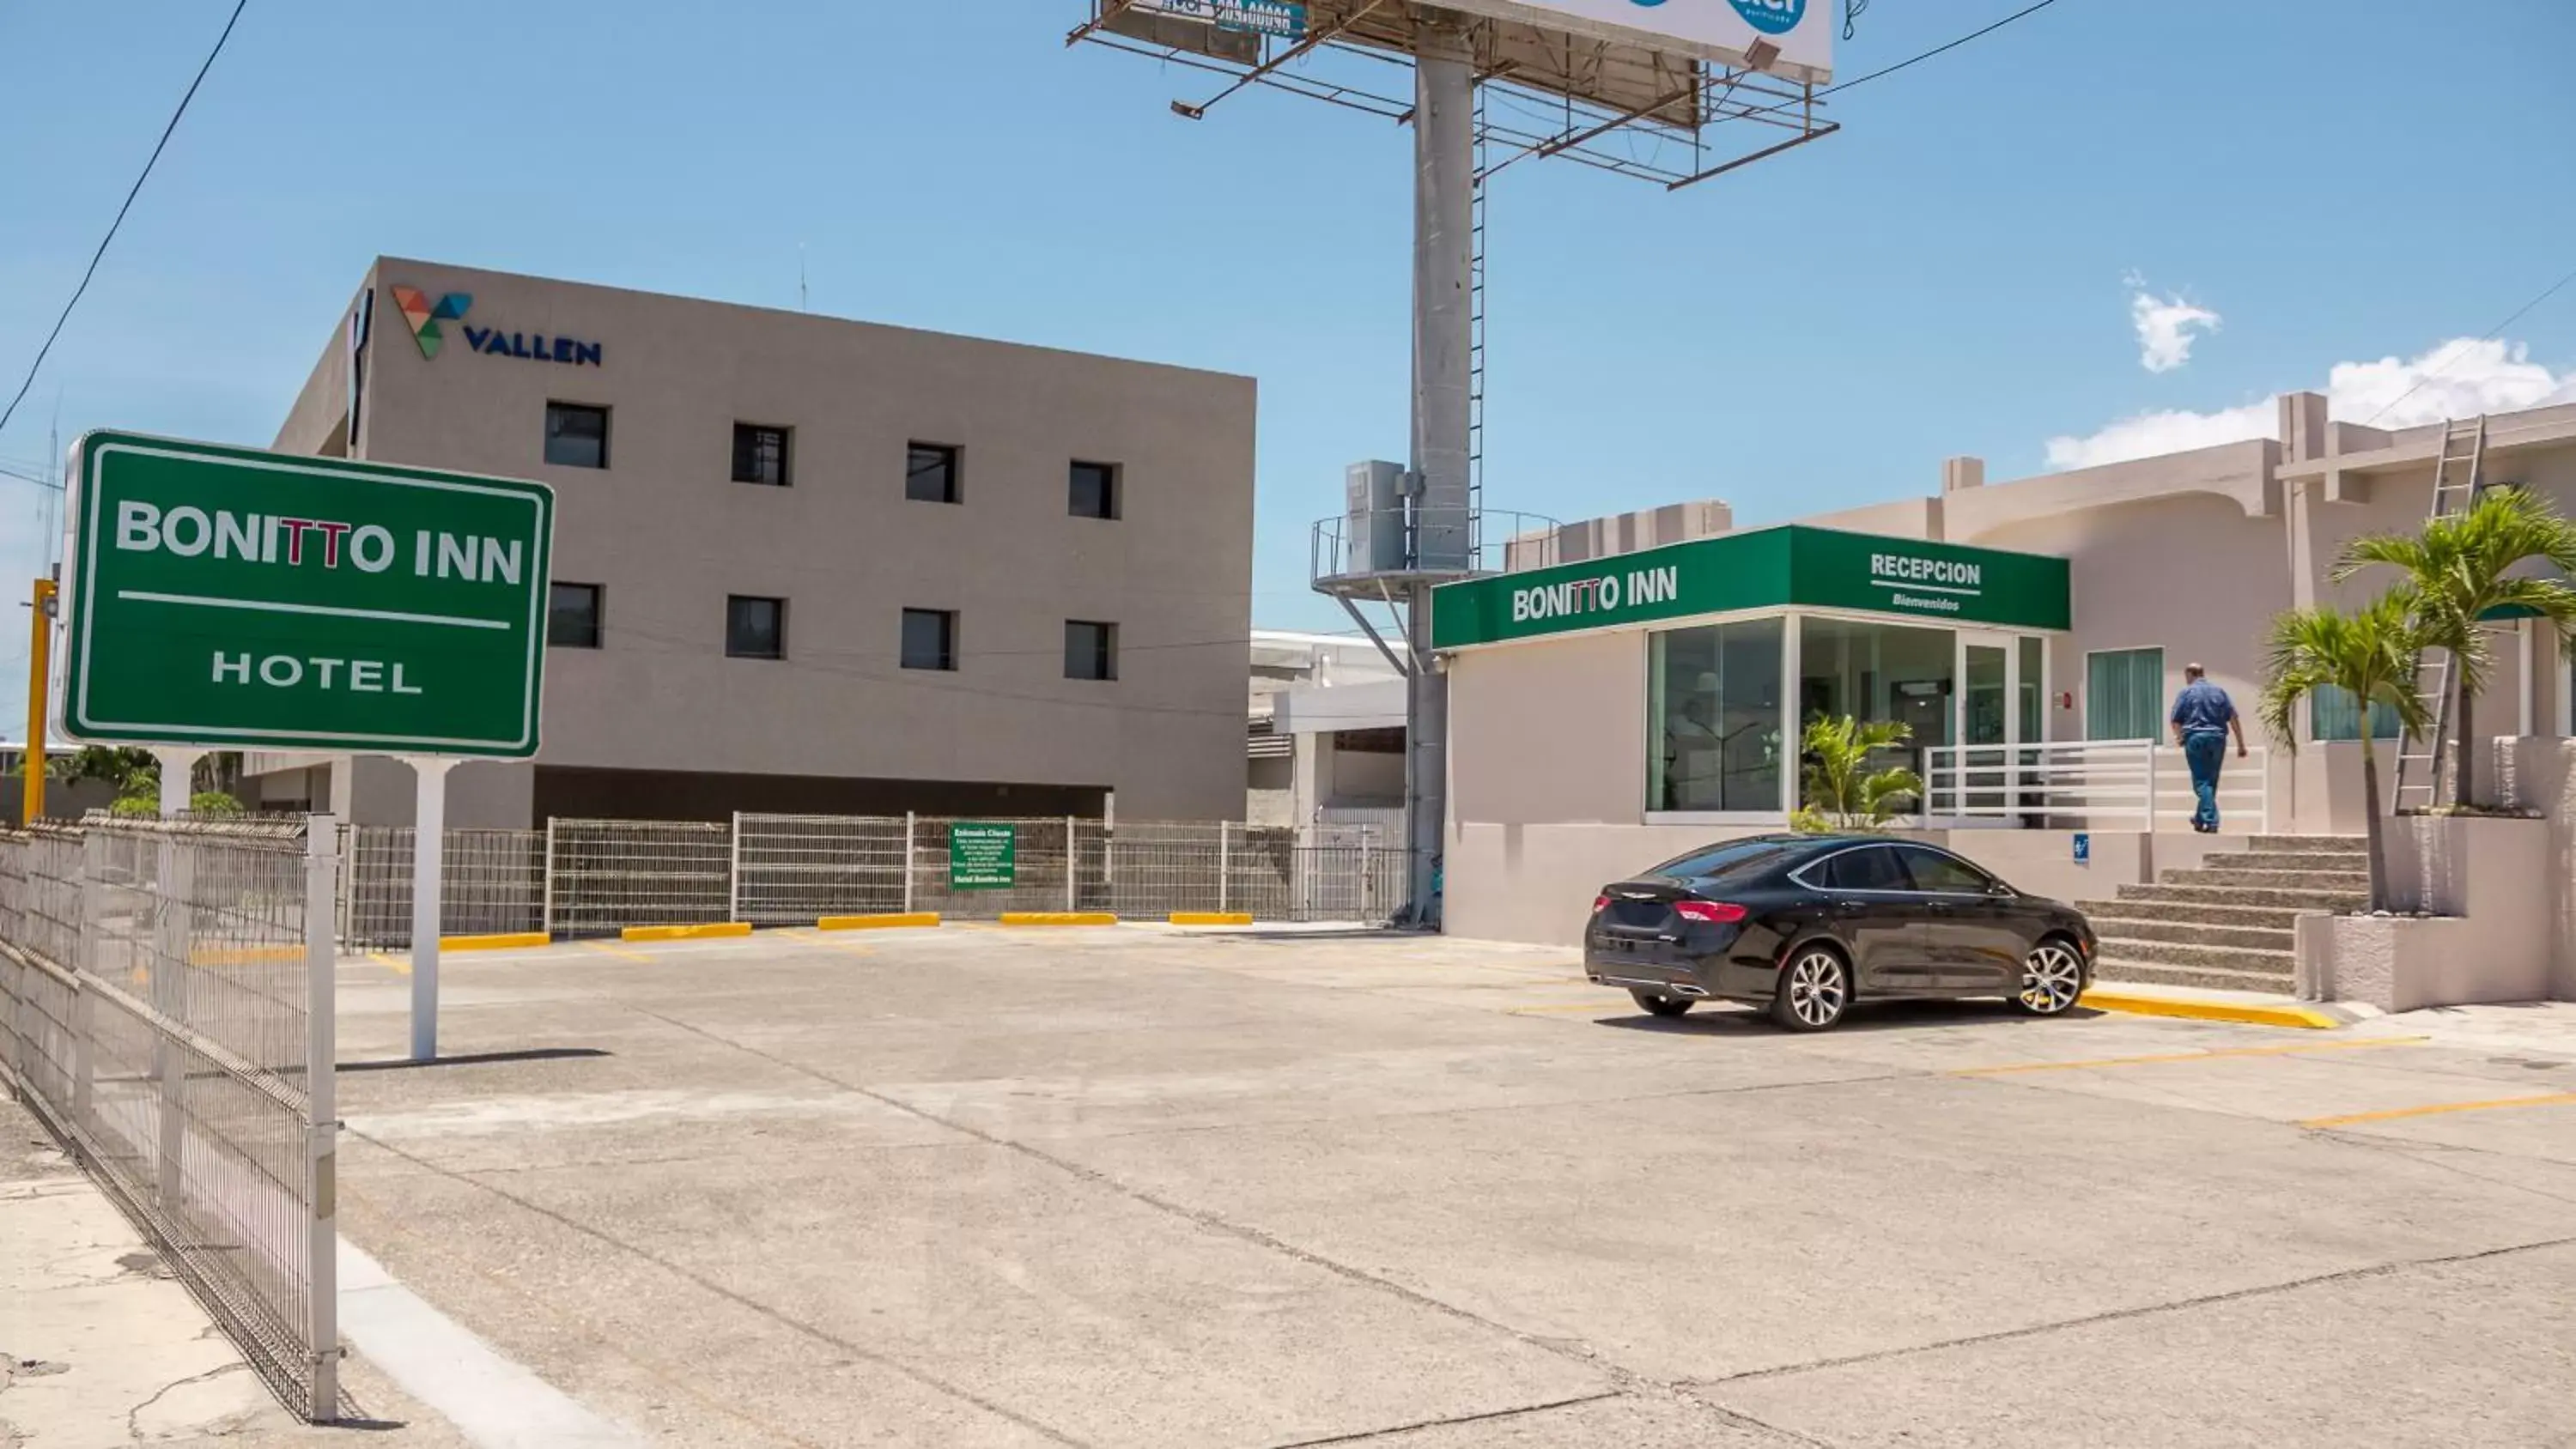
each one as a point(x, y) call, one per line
point(428, 879)
point(2535, 673)
point(177, 766)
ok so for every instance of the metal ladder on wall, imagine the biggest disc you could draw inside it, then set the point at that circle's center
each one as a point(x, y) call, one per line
point(2457, 471)
point(1476, 346)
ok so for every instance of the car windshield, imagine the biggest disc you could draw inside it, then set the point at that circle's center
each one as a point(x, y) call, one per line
point(1733, 860)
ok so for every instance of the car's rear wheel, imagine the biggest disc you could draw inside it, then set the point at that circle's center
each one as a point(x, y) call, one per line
point(1815, 987)
point(2052, 977)
point(1660, 1004)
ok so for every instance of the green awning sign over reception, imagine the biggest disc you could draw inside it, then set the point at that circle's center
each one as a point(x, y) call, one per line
point(1784, 567)
point(225, 596)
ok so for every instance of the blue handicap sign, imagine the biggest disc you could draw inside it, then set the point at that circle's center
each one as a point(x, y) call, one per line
point(2083, 847)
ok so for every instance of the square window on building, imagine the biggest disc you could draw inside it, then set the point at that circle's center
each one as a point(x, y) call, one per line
point(2124, 694)
point(759, 455)
point(1090, 650)
point(929, 638)
point(1093, 491)
point(930, 473)
point(576, 435)
point(755, 628)
point(572, 616)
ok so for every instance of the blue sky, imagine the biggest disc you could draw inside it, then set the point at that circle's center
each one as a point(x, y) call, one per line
point(1987, 258)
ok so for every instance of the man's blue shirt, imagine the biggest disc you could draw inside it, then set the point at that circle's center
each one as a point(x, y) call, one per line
point(2203, 706)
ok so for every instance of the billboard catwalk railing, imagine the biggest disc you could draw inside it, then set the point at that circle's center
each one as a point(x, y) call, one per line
point(166, 1009)
point(582, 878)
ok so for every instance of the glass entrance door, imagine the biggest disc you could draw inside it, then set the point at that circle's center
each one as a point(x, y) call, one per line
point(1989, 720)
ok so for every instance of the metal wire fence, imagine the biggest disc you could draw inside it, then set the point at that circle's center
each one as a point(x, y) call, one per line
point(493, 883)
point(601, 875)
point(165, 1005)
point(581, 878)
point(793, 869)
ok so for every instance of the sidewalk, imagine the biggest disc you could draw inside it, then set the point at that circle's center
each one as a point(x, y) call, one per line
point(100, 1347)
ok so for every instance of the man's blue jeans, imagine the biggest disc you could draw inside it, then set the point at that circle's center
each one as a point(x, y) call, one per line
point(2202, 750)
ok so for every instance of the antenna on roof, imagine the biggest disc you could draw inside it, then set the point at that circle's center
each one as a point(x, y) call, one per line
point(800, 276)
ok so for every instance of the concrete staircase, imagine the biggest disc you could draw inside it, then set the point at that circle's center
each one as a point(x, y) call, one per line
point(2226, 924)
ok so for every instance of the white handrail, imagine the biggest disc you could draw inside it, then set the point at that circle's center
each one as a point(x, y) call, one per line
point(2086, 784)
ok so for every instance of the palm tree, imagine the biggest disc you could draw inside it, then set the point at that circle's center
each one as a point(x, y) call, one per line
point(1842, 792)
point(2459, 579)
point(2369, 653)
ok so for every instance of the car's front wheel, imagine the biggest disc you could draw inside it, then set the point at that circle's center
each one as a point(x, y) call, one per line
point(2052, 977)
point(1814, 988)
point(1660, 1004)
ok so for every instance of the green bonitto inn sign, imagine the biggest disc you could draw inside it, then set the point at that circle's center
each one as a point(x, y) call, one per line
point(1786, 567)
point(222, 596)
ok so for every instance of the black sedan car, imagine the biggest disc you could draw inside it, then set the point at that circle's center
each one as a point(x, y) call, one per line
point(1808, 924)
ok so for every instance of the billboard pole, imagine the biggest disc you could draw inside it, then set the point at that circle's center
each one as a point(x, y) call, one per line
point(1444, 187)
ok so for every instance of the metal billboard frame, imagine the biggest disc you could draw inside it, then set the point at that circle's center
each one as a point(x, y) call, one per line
point(1558, 85)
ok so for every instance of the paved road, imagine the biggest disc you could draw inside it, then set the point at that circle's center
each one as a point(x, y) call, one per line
point(1128, 1187)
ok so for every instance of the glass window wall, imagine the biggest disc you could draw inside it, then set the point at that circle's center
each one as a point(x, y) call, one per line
point(1713, 708)
point(1876, 672)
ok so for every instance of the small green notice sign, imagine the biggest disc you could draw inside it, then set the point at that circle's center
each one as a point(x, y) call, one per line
point(226, 596)
point(982, 855)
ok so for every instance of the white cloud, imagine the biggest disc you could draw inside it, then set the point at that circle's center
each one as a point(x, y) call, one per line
point(2460, 378)
point(2166, 326)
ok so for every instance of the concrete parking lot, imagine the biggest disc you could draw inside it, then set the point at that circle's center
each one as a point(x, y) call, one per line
point(1127, 1186)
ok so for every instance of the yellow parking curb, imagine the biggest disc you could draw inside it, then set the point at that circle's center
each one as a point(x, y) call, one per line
point(1059, 918)
point(1211, 918)
point(500, 941)
point(2202, 1009)
point(877, 922)
point(685, 933)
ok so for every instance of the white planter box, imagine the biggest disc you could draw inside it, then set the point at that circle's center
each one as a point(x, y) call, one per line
point(2401, 963)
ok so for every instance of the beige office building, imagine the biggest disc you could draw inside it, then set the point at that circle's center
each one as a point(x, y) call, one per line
point(808, 564)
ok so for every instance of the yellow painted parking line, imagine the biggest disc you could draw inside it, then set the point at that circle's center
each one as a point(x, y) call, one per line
point(619, 952)
point(398, 963)
point(2212, 1054)
point(2553, 1099)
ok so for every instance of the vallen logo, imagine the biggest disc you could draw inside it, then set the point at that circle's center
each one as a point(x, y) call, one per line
point(1771, 17)
point(425, 315)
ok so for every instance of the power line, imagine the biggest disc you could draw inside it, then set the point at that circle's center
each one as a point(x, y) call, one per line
point(1861, 80)
point(2492, 333)
point(1840, 86)
point(112, 227)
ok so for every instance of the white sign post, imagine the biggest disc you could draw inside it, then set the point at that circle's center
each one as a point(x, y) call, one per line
point(428, 880)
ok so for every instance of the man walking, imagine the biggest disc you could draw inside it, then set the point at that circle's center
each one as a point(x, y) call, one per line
point(2203, 718)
